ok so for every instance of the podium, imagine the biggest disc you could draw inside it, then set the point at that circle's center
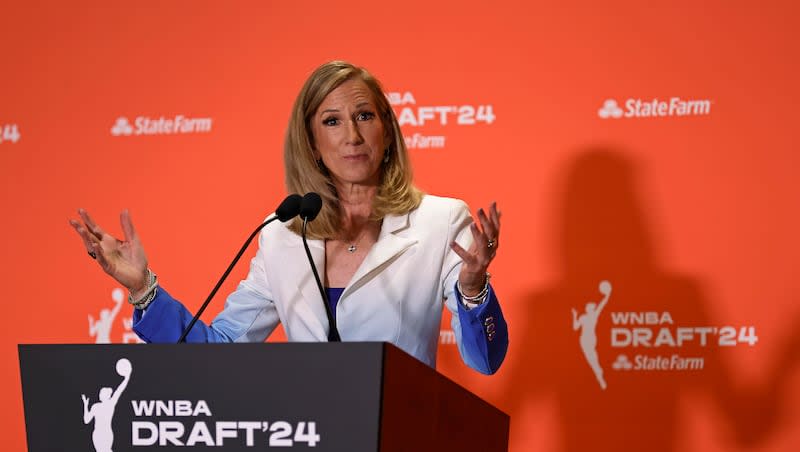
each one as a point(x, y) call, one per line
point(290, 396)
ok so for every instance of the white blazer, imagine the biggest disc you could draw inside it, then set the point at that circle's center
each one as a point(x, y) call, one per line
point(396, 295)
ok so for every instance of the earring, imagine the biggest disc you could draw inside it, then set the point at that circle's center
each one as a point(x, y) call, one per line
point(386, 156)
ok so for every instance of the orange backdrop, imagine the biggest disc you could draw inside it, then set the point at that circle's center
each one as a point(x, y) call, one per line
point(650, 146)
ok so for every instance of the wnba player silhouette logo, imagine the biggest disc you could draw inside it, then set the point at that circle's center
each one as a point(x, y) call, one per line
point(100, 329)
point(587, 323)
point(103, 411)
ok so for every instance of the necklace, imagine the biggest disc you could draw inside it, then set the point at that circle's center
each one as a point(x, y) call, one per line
point(354, 245)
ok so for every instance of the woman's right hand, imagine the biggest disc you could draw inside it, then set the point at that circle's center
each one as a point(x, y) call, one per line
point(124, 260)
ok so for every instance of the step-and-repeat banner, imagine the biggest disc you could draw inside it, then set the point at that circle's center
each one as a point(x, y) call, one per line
point(644, 158)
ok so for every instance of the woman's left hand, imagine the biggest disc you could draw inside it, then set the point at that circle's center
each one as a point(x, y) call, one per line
point(486, 240)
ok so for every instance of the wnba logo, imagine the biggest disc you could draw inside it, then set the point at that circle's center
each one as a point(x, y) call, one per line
point(587, 324)
point(102, 412)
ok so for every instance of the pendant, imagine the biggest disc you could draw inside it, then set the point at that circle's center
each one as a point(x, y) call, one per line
point(351, 248)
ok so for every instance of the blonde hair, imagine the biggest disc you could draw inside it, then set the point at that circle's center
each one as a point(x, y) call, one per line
point(396, 194)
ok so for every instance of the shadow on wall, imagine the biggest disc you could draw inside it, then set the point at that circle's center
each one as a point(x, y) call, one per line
point(604, 237)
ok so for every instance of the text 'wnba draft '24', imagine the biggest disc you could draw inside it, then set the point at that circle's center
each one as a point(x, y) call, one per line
point(409, 114)
point(168, 423)
point(649, 340)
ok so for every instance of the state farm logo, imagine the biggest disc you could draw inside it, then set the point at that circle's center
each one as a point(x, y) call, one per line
point(142, 125)
point(610, 109)
point(638, 108)
point(622, 363)
point(121, 127)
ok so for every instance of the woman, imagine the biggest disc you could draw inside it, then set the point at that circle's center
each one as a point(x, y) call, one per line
point(388, 254)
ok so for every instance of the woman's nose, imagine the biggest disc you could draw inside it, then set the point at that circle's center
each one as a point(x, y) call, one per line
point(353, 134)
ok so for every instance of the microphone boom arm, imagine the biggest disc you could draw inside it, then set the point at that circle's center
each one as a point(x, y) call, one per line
point(333, 332)
point(222, 279)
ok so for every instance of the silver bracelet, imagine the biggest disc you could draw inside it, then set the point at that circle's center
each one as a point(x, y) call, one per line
point(481, 297)
point(149, 295)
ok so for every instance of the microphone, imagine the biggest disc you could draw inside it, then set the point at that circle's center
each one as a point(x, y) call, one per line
point(288, 209)
point(310, 206)
point(309, 209)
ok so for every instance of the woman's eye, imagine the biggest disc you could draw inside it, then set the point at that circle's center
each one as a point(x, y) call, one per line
point(330, 121)
point(366, 115)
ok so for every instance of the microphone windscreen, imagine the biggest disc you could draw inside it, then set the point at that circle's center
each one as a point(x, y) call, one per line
point(310, 206)
point(289, 208)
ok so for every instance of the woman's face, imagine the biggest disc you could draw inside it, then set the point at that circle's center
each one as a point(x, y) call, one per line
point(349, 135)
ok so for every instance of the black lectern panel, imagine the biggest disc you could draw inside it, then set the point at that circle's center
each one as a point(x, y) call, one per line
point(239, 397)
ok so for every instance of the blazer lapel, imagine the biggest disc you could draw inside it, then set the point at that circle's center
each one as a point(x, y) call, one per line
point(306, 284)
point(390, 245)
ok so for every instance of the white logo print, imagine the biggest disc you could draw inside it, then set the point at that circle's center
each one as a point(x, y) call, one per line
point(413, 115)
point(103, 411)
point(587, 323)
point(179, 124)
point(622, 363)
point(129, 337)
point(610, 109)
point(100, 329)
point(9, 132)
point(653, 108)
point(121, 127)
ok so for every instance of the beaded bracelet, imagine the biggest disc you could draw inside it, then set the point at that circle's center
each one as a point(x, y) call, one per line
point(481, 297)
point(149, 295)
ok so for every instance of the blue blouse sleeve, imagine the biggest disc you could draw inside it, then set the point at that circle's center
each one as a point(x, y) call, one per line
point(484, 334)
point(165, 320)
